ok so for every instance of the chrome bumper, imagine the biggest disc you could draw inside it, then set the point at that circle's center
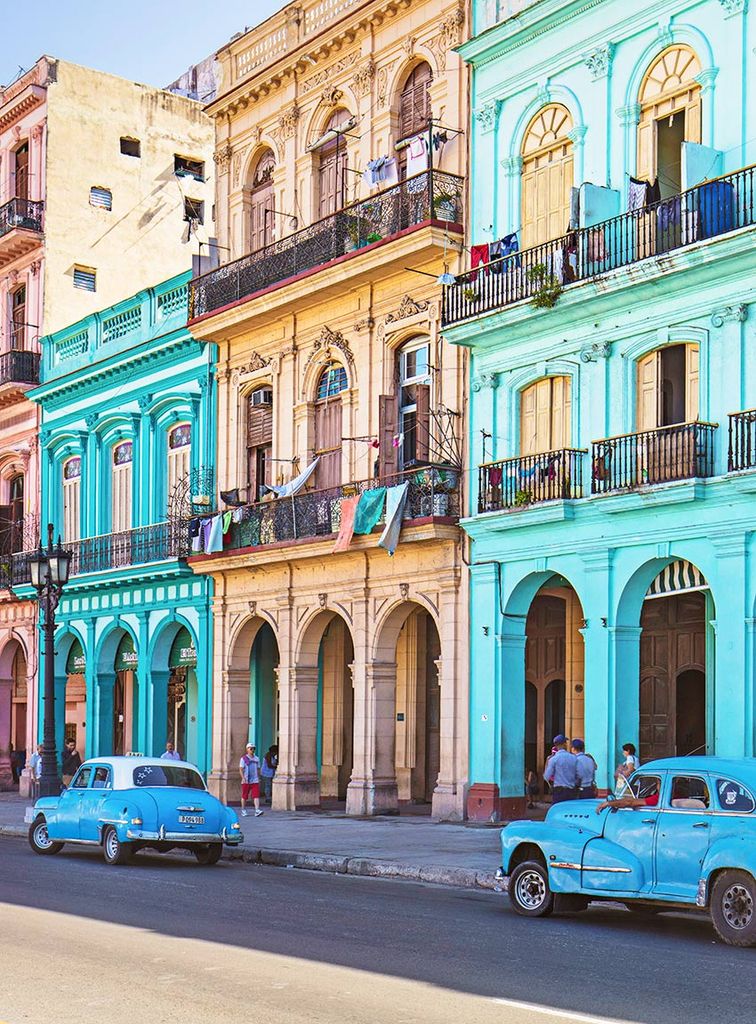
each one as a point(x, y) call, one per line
point(140, 835)
point(501, 878)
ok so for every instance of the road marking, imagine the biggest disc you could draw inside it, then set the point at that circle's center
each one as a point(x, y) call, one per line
point(552, 1011)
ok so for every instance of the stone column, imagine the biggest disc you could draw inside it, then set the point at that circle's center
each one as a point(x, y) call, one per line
point(155, 730)
point(373, 788)
point(449, 793)
point(726, 687)
point(231, 733)
point(6, 710)
point(297, 783)
point(612, 695)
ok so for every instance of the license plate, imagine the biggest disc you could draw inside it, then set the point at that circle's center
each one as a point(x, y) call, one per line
point(191, 819)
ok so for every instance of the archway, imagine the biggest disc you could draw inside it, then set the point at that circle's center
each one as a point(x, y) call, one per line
point(263, 691)
point(76, 697)
point(117, 693)
point(13, 694)
point(181, 696)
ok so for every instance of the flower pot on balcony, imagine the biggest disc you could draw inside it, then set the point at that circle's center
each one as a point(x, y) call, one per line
point(446, 209)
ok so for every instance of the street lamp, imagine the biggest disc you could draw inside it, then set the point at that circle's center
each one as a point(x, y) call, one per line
point(49, 571)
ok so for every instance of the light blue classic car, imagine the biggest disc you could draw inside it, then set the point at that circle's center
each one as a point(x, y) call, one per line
point(682, 836)
point(125, 804)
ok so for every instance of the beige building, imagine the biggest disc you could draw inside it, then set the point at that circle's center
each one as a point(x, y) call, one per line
point(106, 187)
point(340, 200)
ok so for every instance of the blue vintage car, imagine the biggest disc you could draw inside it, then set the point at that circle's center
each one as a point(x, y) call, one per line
point(682, 836)
point(126, 804)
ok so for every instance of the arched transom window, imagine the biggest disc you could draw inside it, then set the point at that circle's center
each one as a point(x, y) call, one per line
point(547, 175)
point(262, 204)
point(179, 455)
point(332, 166)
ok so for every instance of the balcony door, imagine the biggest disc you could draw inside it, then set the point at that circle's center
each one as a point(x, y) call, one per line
point(18, 319)
point(21, 169)
point(547, 176)
point(71, 499)
point(545, 414)
point(667, 396)
point(414, 109)
point(262, 204)
point(328, 418)
point(121, 487)
point(332, 168)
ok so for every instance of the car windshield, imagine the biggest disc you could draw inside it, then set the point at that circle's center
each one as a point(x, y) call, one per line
point(167, 775)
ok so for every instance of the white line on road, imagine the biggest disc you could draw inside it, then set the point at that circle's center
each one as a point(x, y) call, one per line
point(552, 1011)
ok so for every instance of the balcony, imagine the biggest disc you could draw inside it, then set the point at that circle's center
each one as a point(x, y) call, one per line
point(432, 198)
point(19, 371)
point(741, 450)
point(140, 546)
point(530, 479)
point(312, 515)
point(21, 225)
point(711, 209)
point(632, 461)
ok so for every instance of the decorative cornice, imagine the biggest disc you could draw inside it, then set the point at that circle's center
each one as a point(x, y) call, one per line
point(599, 61)
point(730, 314)
point(256, 362)
point(330, 97)
point(327, 340)
point(595, 351)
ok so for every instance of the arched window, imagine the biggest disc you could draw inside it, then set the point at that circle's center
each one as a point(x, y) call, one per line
point(332, 165)
point(547, 176)
point(545, 416)
point(71, 498)
point(670, 99)
point(21, 171)
point(123, 455)
point(179, 455)
point(667, 387)
point(328, 442)
point(259, 440)
point(18, 319)
point(262, 204)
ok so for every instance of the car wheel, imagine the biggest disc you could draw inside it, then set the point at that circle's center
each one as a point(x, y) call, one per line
point(39, 840)
point(733, 908)
point(529, 890)
point(115, 851)
point(210, 854)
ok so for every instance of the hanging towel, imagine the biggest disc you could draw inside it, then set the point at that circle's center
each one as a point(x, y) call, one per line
point(348, 509)
point(237, 515)
point(287, 490)
point(396, 499)
point(390, 173)
point(417, 156)
point(214, 535)
point(479, 254)
point(637, 194)
point(369, 509)
point(226, 522)
point(205, 534)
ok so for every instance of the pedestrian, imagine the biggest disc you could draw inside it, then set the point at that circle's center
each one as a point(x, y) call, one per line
point(561, 771)
point(268, 772)
point(71, 761)
point(249, 770)
point(531, 788)
point(35, 766)
point(626, 768)
point(170, 753)
point(586, 771)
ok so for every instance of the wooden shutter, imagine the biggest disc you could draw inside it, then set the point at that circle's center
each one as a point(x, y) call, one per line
point(645, 164)
point(387, 453)
point(71, 520)
point(691, 383)
point(422, 422)
point(259, 425)
point(122, 498)
point(647, 408)
point(693, 118)
point(6, 530)
point(328, 443)
point(561, 407)
point(414, 103)
point(528, 420)
point(22, 172)
point(543, 415)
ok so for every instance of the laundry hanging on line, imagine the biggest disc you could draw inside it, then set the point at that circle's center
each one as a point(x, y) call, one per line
point(346, 530)
point(369, 509)
point(396, 500)
point(381, 171)
point(289, 489)
point(417, 155)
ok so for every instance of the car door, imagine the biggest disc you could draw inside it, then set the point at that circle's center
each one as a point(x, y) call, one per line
point(92, 800)
point(683, 835)
point(66, 825)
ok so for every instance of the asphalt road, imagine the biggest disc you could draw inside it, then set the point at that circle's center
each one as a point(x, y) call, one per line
point(166, 940)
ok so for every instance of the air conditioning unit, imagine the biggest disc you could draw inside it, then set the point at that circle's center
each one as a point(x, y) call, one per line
point(264, 396)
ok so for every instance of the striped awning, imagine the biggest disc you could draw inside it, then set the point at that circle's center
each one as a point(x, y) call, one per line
point(680, 577)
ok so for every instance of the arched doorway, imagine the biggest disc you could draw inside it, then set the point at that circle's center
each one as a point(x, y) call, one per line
point(673, 685)
point(547, 175)
point(554, 671)
point(117, 694)
point(262, 218)
point(13, 693)
point(335, 710)
point(181, 710)
point(76, 697)
point(263, 691)
point(418, 708)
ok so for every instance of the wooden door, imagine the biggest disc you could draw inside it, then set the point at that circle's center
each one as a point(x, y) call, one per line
point(547, 176)
point(262, 206)
point(545, 663)
point(545, 416)
point(22, 171)
point(328, 443)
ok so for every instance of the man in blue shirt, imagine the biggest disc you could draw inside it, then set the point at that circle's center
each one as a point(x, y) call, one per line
point(561, 772)
point(586, 771)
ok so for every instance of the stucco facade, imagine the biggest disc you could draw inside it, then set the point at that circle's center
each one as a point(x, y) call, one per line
point(127, 441)
point(612, 523)
point(353, 661)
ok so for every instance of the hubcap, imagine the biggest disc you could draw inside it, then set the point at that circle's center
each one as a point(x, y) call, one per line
point(41, 837)
point(530, 890)
point(737, 906)
point(112, 845)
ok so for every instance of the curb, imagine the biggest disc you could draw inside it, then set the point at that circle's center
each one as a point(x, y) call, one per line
point(364, 867)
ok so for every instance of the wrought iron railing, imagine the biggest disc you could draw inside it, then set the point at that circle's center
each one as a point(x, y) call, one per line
point(140, 546)
point(658, 456)
point(19, 367)
point(433, 493)
point(529, 479)
point(21, 213)
point(741, 452)
point(432, 195)
point(710, 209)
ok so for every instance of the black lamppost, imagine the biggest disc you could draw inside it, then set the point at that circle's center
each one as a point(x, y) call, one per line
point(49, 574)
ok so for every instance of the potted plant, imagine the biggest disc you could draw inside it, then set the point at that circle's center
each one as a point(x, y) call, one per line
point(522, 498)
point(548, 288)
point(374, 236)
point(352, 241)
point(445, 206)
point(470, 294)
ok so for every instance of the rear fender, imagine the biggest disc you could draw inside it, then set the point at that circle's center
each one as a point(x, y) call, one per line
point(118, 810)
point(736, 852)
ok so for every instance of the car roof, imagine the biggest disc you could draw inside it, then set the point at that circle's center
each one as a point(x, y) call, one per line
point(744, 768)
point(123, 767)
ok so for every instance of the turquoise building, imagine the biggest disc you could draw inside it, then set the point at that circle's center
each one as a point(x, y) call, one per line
point(127, 441)
point(609, 318)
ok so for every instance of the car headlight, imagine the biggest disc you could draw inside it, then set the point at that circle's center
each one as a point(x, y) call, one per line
point(236, 825)
point(136, 821)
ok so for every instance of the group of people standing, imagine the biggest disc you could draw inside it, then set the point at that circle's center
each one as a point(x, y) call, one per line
point(570, 771)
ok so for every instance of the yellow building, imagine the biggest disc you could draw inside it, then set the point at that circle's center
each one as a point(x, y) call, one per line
point(340, 201)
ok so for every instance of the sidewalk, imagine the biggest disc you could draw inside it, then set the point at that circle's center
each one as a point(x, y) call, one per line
point(410, 848)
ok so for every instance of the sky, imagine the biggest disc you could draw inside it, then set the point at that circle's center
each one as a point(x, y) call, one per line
point(150, 41)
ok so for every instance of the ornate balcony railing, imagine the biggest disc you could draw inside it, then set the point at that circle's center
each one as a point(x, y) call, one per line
point(139, 546)
point(530, 479)
point(659, 456)
point(710, 209)
point(21, 213)
point(430, 196)
point(19, 367)
point(741, 452)
point(433, 493)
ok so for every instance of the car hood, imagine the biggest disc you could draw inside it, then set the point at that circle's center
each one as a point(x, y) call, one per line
point(579, 813)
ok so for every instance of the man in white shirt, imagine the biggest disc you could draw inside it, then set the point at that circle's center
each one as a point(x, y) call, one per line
point(171, 754)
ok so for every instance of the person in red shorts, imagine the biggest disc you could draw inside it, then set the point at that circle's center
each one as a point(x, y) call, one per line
point(249, 770)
